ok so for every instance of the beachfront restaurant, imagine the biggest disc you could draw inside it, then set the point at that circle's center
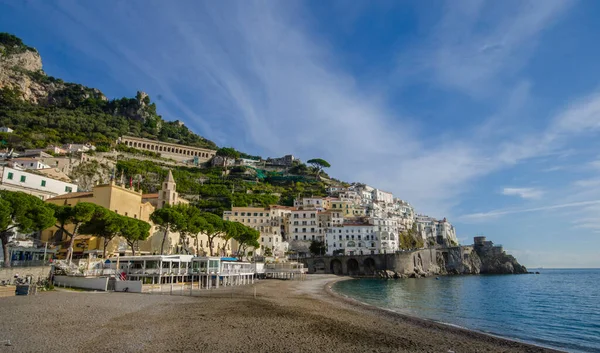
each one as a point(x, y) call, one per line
point(208, 272)
point(154, 269)
point(221, 271)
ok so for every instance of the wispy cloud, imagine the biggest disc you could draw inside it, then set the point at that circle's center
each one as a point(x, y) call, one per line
point(464, 56)
point(255, 76)
point(525, 193)
point(497, 213)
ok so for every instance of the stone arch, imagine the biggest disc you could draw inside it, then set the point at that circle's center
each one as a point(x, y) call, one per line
point(369, 265)
point(353, 267)
point(336, 267)
point(319, 266)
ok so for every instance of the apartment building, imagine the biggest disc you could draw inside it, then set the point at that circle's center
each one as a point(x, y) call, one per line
point(272, 222)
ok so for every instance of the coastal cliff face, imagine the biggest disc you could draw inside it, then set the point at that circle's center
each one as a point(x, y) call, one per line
point(496, 261)
point(464, 260)
point(459, 261)
point(21, 72)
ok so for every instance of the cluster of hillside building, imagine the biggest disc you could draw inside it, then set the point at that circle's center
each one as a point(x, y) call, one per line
point(353, 220)
point(357, 219)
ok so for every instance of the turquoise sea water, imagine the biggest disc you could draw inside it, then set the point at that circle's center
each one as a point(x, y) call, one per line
point(557, 308)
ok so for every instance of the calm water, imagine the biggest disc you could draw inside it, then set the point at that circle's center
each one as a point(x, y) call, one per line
point(557, 308)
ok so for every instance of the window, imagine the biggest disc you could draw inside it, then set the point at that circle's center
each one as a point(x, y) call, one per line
point(243, 213)
point(261, 214)
point(10, 176)
point(23, 178)
point(237, 214)
point(43, 182)
point(125, 213)
point(68, 189)
point(255, 214)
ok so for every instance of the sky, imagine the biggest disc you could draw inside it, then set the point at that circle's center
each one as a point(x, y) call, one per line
point(483, 112)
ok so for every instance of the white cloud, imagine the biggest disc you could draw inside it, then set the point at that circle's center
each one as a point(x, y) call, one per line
point(482, 216)
point(525, 193)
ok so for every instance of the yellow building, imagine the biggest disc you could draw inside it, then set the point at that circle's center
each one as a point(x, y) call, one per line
point(348, 209)
point(123, 201)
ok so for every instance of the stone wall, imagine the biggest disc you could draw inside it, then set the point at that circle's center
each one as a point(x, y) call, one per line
point(37, 272)
point(420, 261)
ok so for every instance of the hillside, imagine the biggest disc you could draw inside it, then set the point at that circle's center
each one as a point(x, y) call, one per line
point(44, 110)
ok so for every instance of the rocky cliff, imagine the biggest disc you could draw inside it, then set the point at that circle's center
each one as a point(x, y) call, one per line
point(477, 260)
point(21, 71)
point(496, 261)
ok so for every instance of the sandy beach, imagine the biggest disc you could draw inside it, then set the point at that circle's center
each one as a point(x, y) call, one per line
point(285, 316)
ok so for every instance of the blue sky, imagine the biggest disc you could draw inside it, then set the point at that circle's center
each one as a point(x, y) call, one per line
point(487, 113)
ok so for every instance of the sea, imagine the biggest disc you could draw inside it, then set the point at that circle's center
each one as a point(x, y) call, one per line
point(558, 308)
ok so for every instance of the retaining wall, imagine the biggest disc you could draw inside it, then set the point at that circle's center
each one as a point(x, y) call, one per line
point(37, 272)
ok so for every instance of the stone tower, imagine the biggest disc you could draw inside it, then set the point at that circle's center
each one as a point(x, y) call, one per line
point(167, 195)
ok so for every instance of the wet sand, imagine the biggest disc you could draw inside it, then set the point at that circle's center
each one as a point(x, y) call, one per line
point(285, 316)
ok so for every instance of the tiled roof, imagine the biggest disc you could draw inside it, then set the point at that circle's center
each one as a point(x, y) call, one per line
point(150, 196)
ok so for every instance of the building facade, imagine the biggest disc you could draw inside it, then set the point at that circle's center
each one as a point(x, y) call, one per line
point(169, 150)
point(38, 185)
point(271, 222)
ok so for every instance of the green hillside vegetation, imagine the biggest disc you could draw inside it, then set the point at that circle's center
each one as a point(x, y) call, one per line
point(13, 45)
point(211, 192)
point(70, 117)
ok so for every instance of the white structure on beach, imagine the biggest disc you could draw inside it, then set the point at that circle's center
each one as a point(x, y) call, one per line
point(207, 272)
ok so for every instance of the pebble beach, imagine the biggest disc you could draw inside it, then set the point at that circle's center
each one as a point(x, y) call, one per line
point(283, 316)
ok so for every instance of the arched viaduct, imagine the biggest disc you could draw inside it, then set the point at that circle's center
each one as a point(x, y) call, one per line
point(367, 265)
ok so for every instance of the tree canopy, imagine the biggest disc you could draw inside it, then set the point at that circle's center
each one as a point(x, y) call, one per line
point(135, 230)
point(317, 248)
point(105, 224)
point(77, 215)
point(166, 218)
point(318, 164)
point(22, 212)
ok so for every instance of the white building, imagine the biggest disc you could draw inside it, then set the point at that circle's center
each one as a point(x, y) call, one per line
point(361, 237)
point(352, 239)
point(53, 149)
point(29, 163)
point(311, 202)
point(383, 196)
point(445, 234)
point(41, 186)
point(6, 129)
point(78, 148)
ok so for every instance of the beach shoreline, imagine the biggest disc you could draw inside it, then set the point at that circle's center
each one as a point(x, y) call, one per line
point(285, 316)
point(421, 320)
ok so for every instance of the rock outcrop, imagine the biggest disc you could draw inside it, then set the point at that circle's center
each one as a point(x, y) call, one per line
point(500, 263)
point(21, 71)
point(458, 261)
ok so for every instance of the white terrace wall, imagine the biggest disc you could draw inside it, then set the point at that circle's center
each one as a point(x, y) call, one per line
point(96, 283)
point(132, 286)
